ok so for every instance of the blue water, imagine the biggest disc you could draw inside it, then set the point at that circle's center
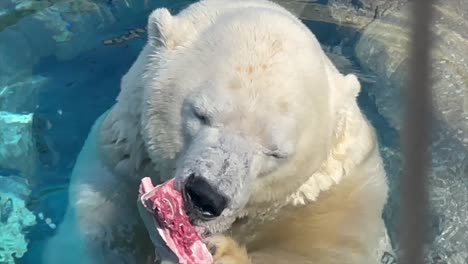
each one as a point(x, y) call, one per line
point(78, 89)
point(82, 89)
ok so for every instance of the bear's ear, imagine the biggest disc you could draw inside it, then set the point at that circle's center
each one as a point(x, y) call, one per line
point(345, 90)
point(160, 28)
point(351, 85)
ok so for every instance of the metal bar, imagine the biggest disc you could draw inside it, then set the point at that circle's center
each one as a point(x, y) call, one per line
point(416, 136)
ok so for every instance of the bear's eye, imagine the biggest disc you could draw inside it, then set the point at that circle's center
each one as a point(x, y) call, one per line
point(277, 154)
point(201, 117)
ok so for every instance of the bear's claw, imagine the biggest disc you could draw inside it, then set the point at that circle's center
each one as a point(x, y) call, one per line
point(226, 251)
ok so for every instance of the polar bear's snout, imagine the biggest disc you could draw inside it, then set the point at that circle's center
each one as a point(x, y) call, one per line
point(202, 200)
point(216, 174)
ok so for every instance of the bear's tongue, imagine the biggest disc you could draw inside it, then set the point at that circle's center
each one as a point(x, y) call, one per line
point(173, 225)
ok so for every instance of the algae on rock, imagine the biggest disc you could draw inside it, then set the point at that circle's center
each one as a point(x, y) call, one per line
point(17, 145)
point(15, 218)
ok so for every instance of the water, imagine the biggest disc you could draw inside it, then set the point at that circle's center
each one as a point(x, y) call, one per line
point(67, 85)
point(56, 64)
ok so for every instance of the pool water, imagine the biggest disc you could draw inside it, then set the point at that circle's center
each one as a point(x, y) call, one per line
point(81, 87)
point(80, 90)
point(65, 49)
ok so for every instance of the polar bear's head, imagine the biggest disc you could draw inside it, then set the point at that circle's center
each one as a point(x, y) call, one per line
point(243, 107)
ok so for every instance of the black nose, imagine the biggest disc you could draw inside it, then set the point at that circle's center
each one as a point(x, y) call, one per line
point(202, 200)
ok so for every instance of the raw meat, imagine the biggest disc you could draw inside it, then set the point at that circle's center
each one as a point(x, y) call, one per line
point(173, 225)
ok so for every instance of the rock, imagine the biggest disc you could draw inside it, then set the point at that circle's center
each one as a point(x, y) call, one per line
point(58, 28)
point(17, 145)
point(131, 34)
point(338, 14)
point(382, 50)
point(48, 157)
point(16, 219)
point(21, 96)
point(14, 66)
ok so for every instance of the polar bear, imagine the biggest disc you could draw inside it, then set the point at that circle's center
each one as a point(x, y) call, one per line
point(239, 99)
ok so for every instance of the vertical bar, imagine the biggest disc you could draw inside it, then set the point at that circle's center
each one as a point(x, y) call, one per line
point(416, 136)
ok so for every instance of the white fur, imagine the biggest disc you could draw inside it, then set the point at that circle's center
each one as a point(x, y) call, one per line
point(272, 58)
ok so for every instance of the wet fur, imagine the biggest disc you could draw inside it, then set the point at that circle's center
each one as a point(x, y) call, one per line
point(332, 218)
point(323, 206)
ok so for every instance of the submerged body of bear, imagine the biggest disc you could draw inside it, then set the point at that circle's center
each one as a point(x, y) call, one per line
point(236, 97)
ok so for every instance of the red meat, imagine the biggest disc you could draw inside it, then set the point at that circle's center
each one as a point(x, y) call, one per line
point(174, 227)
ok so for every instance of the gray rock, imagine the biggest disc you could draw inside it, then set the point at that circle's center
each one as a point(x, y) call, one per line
point(382, 49)
point(16, 218)
point(21, 96)
point(17, 146)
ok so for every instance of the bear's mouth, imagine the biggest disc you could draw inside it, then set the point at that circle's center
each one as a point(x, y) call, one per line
point(166, 206)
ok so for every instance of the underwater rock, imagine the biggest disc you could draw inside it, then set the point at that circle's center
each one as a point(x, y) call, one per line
point(17, 147)
point(19, 86)
point(15, 218)
point(47, 156)
point(14, 66)
point(61, 28)
point(383, 49)
point(338, 14)
point(22, 95)
point(6, 209)
point(134, 33)
point(13, 11)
